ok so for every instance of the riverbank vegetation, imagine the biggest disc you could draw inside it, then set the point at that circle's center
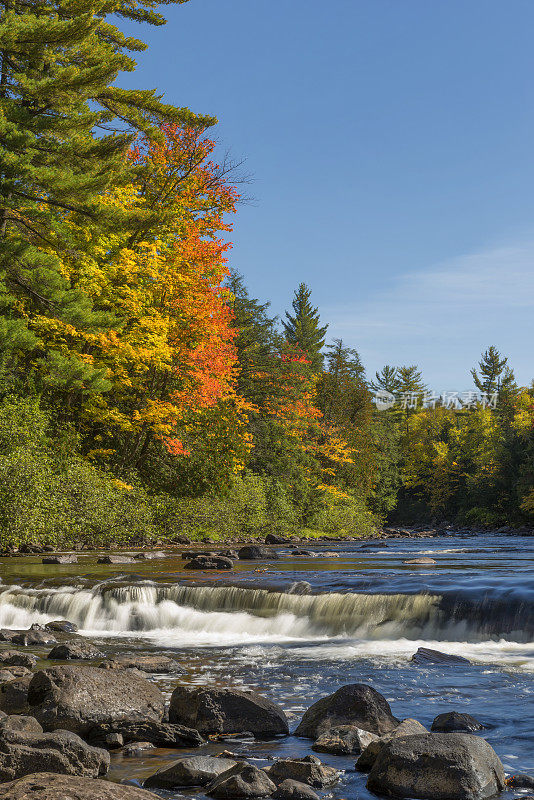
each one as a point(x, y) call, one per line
point(144, 393)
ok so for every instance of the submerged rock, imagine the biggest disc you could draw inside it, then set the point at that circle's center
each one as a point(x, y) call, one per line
point(437, 766)
point(78, 697)
point(452, 721)
point(194, 771)
point(213, 710)
point(50, 786)
point(356, 704)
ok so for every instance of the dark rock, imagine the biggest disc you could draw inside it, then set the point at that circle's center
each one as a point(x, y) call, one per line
point(209, 562)
point(160, 734)
point(437, 766)
point(14, 695)
point(137, 749)
point(74, 650)
point(23, 753)
point(181, 540)
point(254, 551)
point(19, 722)
point(32, 638)
point(212, 710)
point(452, 721)
point(408, 727)
point(13, 658)
point(344, 740)
point(425, 655)
point(520, 781)
point(356, 704)
point(231, 554)
point(50, 786)
point(78, 697)
point(307, 770)
point(115, 560)
point(302, 553)
point(194, 771)
point(144, 663)
point(61, 626)
point(67, 559)
point(294, 790)
point(243, 780)
point(272, 538)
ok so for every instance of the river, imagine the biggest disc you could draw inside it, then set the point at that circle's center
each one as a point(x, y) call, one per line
point(365, 614)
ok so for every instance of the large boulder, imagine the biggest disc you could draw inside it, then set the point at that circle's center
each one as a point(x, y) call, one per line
point(252, 552)
point(61, 626)
point(194, 771)
point(408, 727)
point(437, 766)
point(307, 770)
point(344, 740)
point(14, 695)
point(209, 562)
point(49, 786)
point(294, 790)
point(25, 752)
point(226, 711)
point(30, 638)
point(243, 780)
point(78, 697)
point(145, 663)
point(356, 704)
point(454, 721)
point(160, 734)
point(74, 650)
point(19, 722)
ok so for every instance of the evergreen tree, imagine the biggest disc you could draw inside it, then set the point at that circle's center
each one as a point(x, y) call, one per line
point(386, 380)
point(495, 375)
point(303, 327)
point(342, 392)
point(410, 380)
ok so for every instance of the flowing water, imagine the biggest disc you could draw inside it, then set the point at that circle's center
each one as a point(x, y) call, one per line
point(364, 615)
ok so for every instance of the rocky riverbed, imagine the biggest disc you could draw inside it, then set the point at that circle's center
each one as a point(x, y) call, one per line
point(398, 667)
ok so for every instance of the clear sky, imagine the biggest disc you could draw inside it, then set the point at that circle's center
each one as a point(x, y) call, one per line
point(391, 147)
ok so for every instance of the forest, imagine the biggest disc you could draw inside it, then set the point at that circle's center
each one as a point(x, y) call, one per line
point(144, 393)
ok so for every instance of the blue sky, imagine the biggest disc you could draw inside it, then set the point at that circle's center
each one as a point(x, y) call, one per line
point(391, 148)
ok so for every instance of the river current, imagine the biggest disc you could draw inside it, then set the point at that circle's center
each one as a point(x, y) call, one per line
point(363, 614)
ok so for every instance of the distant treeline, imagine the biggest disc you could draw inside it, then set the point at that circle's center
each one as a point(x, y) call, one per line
point(143, 392)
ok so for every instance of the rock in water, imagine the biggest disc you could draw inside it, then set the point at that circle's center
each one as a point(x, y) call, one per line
point(408, 727)
point(453, 721)
point(254, 551)
point(422, 562)
point(437, 766)
point(160, 734)
point(13, 658)
point(226, 711)
point(243, 780)
point(294, 790)
point(23, 753)
point(425, 655)
point(356, 704)
point(344, 740)
point(115, 560)
point(74, 650)
point(61, 626)
point(77, 697)
point(66, 559)
point(49, 786)
point(209, 562)
point(194, 771)
point(307, 770)
point(145, 663)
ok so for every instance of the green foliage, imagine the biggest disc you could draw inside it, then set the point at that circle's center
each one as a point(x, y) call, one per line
point(303, 327)
point(494, 375)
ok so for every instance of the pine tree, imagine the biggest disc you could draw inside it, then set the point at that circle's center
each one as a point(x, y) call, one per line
point(495, 375)
point(386, 380)
point(342, 391)
point(410, 380)
point(303, 328)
